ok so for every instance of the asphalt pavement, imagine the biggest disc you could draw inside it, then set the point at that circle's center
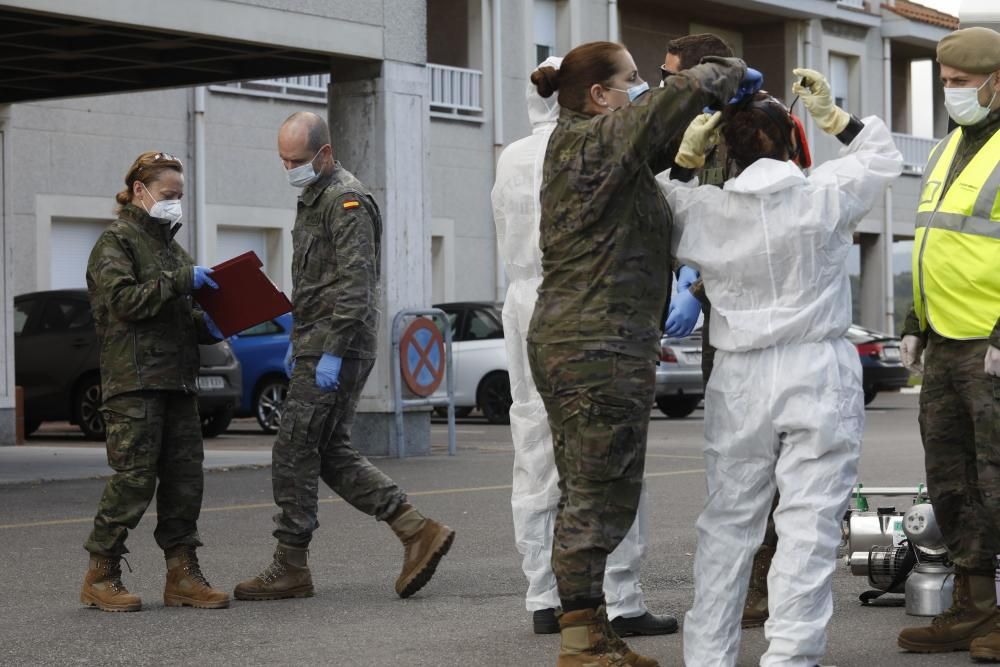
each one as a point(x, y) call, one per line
point(471, 613)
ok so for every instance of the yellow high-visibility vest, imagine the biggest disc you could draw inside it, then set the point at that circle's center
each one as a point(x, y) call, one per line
point(956, 248)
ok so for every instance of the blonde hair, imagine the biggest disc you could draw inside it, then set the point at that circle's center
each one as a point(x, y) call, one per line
point(146, 169)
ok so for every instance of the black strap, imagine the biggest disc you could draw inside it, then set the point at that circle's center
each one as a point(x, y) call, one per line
point(909, 560)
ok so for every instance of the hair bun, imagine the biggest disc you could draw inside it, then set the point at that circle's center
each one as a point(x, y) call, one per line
point(546, 80)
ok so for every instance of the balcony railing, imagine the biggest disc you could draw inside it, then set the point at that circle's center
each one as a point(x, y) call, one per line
point(915, 151)
point(308, 88)
point(456, 93)
point(853, 4)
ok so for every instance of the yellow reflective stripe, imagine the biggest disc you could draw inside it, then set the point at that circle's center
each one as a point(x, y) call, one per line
point(967, 188)
point(957, 222)
point(937, 171)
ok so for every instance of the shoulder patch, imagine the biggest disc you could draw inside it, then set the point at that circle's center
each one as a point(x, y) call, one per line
point(352, 203)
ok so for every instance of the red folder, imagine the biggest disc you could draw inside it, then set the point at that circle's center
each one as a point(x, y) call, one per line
point(246, 296)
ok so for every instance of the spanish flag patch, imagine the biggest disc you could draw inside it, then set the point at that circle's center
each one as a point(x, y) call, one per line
point(352, 203)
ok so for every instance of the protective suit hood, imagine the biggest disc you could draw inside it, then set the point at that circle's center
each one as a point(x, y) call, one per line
point(766, 176)
point(543, 111)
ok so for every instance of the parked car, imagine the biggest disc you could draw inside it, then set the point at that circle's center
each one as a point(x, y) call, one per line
point(261, 351)
point(679, 387)
point(881, 363)
point(479, 361)
point(57, 362)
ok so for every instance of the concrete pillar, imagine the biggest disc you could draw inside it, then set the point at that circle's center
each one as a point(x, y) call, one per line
point(872, 286)
point(7, 394)
point(380, 126)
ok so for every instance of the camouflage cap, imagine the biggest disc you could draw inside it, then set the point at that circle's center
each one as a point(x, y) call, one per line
point(973, 50)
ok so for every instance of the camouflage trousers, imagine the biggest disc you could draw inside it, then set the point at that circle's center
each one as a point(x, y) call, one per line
point(314, 442)
point(960, 428)
point(598, 405)
point(150, 435)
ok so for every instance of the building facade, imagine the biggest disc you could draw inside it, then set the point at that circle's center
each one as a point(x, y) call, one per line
point(422, 95)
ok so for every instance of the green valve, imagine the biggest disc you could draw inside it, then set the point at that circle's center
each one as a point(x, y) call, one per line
point(860, 500)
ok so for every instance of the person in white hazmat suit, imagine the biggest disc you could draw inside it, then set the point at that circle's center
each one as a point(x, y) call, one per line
point(784, 406)
point(535, 492)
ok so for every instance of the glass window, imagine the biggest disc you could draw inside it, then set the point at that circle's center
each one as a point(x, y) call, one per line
point(22, 309)
point(268, 328)
point(66, 316)
point(483, 325)
point(452, 316)
point(545, 29)
point(840, 80)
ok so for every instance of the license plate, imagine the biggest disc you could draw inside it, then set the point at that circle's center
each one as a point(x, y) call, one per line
point(211, 382)
point(891, 353)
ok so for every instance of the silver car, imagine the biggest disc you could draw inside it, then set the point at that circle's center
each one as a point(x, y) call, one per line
point(679, 385)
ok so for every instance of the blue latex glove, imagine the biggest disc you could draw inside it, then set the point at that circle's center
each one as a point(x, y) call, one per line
point(201, 277)
point(327, 372)
point(289, 362)
point(686, 276)
point(751, 83)
point(212, 327)
point(682, 314)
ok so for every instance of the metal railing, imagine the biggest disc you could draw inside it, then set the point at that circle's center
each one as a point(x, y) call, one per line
point(456, 93)
point(915, 151)
point(306, 88)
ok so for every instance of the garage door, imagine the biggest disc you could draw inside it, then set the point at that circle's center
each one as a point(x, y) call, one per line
point(234, 241)
point(71, 243)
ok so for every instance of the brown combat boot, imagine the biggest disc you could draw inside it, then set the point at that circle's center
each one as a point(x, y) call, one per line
point(987, 647)
point(973, 614)
point(587, 640)
point(287, 576)
point(186, 586)
point(103, 587)
point(425, 542)
point(755, 609)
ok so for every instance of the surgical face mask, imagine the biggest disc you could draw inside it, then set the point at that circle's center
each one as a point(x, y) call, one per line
point(165, 210)
point(963, 104)
point(303, 175)
point(633, 93)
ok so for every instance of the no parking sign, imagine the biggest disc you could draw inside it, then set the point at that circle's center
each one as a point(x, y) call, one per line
point(422, 357)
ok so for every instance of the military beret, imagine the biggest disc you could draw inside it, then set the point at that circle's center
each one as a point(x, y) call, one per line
point(973, 50)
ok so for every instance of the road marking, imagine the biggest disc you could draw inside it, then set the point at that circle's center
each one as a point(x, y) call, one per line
point(322, 501)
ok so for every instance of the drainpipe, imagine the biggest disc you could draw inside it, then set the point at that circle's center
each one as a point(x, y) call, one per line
point(200, 221)
point(887, 277)
point(613, 35)
point(807, 46)
point(497, 23)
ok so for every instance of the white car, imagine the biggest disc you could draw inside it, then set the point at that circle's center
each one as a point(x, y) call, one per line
point(479, 361)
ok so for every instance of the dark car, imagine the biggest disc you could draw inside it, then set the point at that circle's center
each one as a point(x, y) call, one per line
point(261, 351)
point(881, 364)
point(57, 362)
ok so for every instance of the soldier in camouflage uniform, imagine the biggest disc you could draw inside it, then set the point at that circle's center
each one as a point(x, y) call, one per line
point(140, 281)
point(594, 335)
point(335, 295)
point(956, 252)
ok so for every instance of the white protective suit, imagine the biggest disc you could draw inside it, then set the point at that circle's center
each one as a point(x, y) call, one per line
point(535, 494)
point(784, 406)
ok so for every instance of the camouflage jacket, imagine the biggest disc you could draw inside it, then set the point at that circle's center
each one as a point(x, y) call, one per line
point(974, 138)
point(605, 226)
point(140, 281)
point(335, 268)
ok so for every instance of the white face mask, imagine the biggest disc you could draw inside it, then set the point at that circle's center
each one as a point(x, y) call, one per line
point(963, 104)
point(165, 210)
point(303, 175)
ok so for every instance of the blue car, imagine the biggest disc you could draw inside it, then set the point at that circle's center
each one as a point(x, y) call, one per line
point(261, 351)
